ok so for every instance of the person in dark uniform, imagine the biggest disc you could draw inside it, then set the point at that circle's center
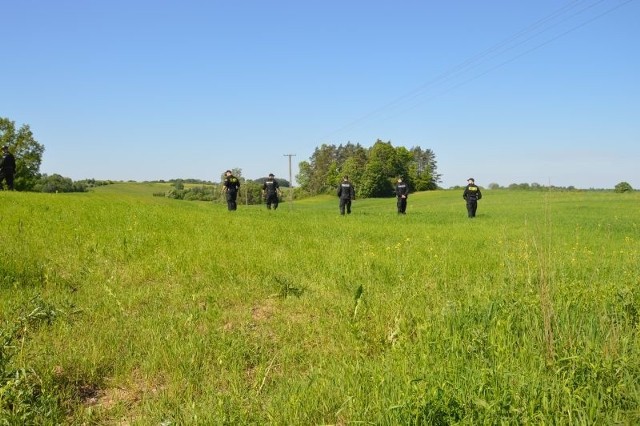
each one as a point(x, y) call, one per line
point(271, 191)
point(471, 195)
point(346, 192)
point(402, 193)
point(231, 188)
point(7, 168)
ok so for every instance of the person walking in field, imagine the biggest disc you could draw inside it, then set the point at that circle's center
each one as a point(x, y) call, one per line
point(231, 186)
point(346, 193)
point(271, 191)
point(7, 168)
point(471, 195)
point(402, 193)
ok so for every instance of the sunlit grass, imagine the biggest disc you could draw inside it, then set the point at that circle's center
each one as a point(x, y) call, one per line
point(181, 312)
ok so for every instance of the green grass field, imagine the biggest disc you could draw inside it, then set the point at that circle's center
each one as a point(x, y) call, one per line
point(118, 307)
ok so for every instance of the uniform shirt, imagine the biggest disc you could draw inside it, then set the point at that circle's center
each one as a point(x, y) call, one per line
point(472, 192)
point(346, 191)
point(231, 183)
point(8, 163)
point(402, 189)
point(270, 186)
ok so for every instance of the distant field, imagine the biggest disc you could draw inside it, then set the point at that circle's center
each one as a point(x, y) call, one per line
point(118, 307)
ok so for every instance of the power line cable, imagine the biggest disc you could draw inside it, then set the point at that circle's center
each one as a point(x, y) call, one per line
point(513, 59)
point(518, 39)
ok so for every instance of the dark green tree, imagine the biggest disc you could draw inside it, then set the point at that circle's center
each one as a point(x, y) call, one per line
point(623, 187)
point(387, 155)
point(423, 175)
point(354, 167)
point(320, 175)
point(304, 175)
point(27, 151)
point(383, 166)
point(352, 160)
point(374, 182)
point(404, 163)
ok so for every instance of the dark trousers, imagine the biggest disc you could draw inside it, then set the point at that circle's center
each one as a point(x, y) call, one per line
point(272, 199)
point(345, 203)
point(472, 206)
point(8, 177)
point(402, 205)
point(231, 201)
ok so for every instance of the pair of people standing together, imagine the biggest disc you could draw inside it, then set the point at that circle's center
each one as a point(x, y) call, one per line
point(347, 193)
point(231, 186)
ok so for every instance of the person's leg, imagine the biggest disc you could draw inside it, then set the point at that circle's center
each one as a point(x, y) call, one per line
point(232, 201)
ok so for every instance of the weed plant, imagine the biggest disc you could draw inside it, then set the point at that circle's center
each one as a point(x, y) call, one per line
point(156, 311)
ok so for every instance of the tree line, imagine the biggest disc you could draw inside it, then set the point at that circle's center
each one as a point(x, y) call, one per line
point(373, 170)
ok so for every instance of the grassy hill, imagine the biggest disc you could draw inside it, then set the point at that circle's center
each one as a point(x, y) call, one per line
point(118, 307)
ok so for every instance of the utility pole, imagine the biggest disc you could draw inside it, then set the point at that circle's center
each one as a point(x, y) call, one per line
point(290, 178)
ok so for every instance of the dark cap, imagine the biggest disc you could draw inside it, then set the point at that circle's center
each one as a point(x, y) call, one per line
point(228, 171)
point(470, 179)
point(271, 175)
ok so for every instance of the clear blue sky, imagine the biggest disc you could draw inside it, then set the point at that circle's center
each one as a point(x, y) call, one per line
point(534, 91)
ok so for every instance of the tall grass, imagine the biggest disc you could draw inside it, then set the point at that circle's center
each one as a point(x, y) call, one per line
point(171, 312)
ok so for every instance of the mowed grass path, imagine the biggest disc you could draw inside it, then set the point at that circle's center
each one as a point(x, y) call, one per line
point(176, 312)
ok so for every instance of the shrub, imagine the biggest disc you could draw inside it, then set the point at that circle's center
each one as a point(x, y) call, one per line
point(623, 187)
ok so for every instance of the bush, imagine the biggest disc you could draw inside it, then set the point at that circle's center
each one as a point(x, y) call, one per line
point(58, 183)
point(623, 187)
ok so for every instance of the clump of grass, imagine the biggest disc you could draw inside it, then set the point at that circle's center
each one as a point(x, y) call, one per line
point(286, 289)
point(24, 397)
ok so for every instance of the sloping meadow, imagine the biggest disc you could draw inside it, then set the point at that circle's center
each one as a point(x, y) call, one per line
point(118, 307)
